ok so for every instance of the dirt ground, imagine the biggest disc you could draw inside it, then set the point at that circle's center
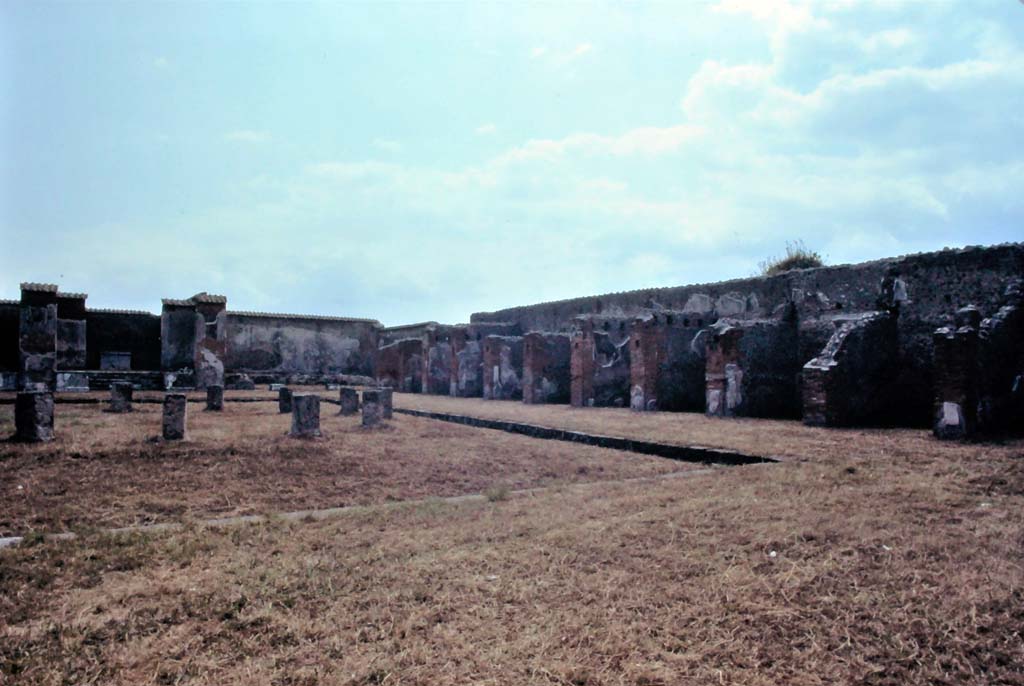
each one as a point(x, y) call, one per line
point(764, 437)
point(107, 470)
point(899, 563)
point(839, 571)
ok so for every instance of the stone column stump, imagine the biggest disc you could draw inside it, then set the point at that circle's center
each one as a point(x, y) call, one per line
point(284, 400)
point(373, 408)
point(215, 398)
point(305, 415)
point(33, 416)
point(121, 396)
point(386, 395)
point(349, 400)
point(175, 416)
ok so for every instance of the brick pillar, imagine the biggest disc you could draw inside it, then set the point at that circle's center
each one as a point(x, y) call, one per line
point(581, 366)
point(723, 373)
point(956, 392)
point(648, 349)
point(535, 359)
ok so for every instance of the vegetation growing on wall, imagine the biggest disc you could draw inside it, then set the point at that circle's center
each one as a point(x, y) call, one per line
point(798, 256)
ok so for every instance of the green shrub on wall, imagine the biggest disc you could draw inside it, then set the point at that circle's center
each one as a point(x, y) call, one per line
point(798, 256)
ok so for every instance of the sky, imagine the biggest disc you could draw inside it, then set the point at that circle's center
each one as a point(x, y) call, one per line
point(423, 161)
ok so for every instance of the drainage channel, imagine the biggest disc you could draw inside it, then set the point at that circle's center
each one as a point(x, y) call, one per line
point(684, 453)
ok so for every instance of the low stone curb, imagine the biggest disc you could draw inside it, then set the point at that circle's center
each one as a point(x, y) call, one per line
point(684, 453)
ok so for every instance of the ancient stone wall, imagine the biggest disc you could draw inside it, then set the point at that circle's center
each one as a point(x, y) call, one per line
point(752, 369)
point(391, 334)
point(600, 361)
point(667, 362)
point(180, 328)
point(924, 288)
point(133, 332)
point(265, 345)
point(547, 359)
point(400, 365)
point(1001, 365)
point(10, 316)
point(467, 380)
point(37, 338)
point(503, 368)
point(848, 383)
point(438, 356)
point(979, 370)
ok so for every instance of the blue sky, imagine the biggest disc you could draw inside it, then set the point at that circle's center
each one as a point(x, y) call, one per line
point(425, 161)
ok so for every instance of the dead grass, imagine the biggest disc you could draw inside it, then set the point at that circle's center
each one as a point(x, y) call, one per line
point(109, 470)
point(898, 560)
point(843, 571)
point(764, 437)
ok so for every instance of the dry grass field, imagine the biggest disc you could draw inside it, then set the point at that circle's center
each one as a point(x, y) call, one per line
point(764, 437)
point(111, 470)
point(883, 558)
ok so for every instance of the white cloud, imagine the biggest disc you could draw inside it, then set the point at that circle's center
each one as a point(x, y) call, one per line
point(643, 141)
point(485, 129)
point(161, 62)
point(247, 136)
point(537, 52)
point(387, 145)
point(581, 50)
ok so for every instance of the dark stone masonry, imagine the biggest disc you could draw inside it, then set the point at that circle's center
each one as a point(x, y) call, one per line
point(930, 340)
point(121, 393)
point(175, 417)
point(284, 400)
point(373, 407)
point(215, 398)
point(348, 400)
point(305, 416)
point(33, 416)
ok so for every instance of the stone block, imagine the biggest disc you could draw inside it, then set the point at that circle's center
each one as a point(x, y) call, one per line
point(305, 415)
point(239, 382)
point(348, 398)
point(175, 416)
point(72, 381)
point(373, 409)
point(33, 416)
point(120, 361)
point(121, 396)
point(386, 402)
point(215, 398)
point(284, 400)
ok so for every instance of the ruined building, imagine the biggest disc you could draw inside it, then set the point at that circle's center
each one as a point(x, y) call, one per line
point(933, 340)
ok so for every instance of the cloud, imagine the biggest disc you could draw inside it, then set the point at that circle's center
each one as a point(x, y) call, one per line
point(387, 145)
point(161, 63)
point(643, 141)
point(581, 50)
point(561, 58)
point(867, 134)
point(247, 136)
